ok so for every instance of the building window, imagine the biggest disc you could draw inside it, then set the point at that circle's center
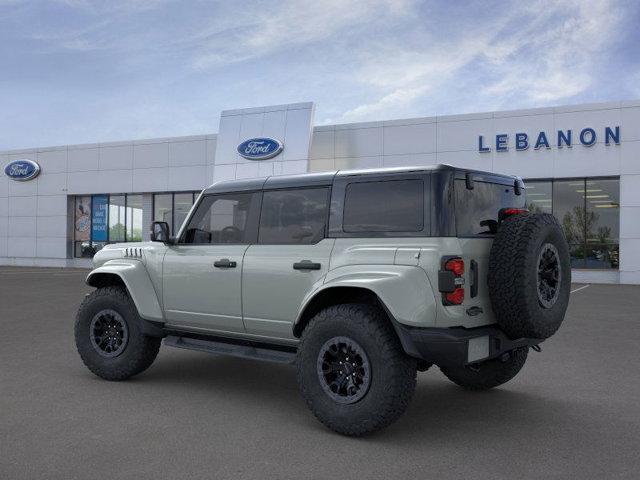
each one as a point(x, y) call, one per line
point(589, 211)
point(134, 218)
point(102, 219)
point(82, 227)
point(182, 203)
point(539, 196)
point(173, 208)
point(117, 218)
point(163, 208)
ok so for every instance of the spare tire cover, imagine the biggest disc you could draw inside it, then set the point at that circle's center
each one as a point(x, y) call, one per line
point(529, 275)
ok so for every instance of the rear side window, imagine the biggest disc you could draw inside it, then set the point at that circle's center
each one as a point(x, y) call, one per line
point(294, 216)
point(385, 206)
point(477, 209)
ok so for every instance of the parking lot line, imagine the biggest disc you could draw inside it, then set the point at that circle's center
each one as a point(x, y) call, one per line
point(580, 288)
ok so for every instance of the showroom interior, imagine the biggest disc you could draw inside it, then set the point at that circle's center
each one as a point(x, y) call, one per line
point(580, 163)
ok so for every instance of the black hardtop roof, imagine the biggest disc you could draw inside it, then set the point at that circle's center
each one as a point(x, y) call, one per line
point(327, 178)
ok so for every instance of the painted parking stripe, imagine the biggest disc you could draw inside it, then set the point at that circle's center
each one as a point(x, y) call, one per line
point(580, 288)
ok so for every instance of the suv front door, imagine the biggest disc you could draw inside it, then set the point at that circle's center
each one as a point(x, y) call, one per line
point(291, 256)
point(202, 272)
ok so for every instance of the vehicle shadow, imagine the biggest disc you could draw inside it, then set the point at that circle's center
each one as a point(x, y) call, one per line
point(439, 408)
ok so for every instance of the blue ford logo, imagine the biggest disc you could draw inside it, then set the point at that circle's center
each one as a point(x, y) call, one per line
point(22, 170)
point(260, 148)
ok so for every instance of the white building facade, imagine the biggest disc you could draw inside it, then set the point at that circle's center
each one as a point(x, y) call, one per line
point(581, 163)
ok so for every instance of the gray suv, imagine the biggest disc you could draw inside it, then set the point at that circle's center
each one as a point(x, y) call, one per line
point(359, 278)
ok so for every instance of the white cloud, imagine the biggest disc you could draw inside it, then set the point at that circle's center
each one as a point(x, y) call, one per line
point(288, 24)
point(542, 52)
point(555, 63)
point(160, 68)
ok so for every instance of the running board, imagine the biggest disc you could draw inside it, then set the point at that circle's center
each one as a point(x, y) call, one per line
point(231, 349)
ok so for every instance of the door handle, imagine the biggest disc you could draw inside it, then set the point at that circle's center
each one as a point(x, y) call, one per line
point(224, 263)
point(306, 265)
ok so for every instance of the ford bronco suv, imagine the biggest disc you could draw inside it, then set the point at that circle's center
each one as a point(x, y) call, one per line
point(360, 278)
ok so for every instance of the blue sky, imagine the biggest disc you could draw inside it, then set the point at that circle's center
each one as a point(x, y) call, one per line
point(77, 71)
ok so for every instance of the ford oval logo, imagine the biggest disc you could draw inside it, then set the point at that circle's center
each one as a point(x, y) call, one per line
point(260, 148)
point(22, 170)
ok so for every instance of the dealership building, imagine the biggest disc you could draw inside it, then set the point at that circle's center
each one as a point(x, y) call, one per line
point(59, 205)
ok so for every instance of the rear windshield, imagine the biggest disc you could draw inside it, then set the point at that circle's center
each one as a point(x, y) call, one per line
point(477, 209)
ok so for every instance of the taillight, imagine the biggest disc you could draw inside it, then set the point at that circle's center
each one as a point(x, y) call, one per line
point(455, 265)
point(456, 297)
point(507, 212)
point(451, 280)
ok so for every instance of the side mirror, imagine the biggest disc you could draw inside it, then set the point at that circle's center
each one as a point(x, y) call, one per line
point(159, 232)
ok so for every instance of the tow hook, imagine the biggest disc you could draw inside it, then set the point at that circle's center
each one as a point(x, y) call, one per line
point(536, 348)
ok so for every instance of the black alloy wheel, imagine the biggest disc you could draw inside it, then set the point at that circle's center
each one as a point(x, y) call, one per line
point(109, 333)
point(549, 275)
point(344, 370)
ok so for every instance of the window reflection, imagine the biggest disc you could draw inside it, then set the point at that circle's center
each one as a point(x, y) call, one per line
point(134, 218)
point(603, 223)
point(589, 213)
point(163, 209)
point(539, 196)
point(117, 213)
point(122, 214)
point(172, 208)
point(182, 203)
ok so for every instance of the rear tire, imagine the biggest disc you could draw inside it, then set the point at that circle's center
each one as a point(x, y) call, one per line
point(108, 335)
point(489, 374)
point(383, 375)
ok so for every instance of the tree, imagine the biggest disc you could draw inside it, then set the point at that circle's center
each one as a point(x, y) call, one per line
point(116, 232)
point(577, 223)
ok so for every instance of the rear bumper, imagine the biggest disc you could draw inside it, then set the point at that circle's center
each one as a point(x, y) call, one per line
point(458, 345)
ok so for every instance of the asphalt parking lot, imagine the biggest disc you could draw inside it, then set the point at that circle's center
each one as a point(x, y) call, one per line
point(573, 412)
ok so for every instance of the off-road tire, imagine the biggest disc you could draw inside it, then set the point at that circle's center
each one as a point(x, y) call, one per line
point(393, 372)
point(513, 275)
point(140, 350)
point(489, 374)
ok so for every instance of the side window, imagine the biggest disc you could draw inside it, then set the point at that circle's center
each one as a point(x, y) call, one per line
point(223, 218)
point(295, 216)
point(384, 206)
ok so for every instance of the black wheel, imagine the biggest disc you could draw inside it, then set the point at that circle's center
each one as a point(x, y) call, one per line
point(108, 335)
point(489, 374)
point(352, 370)
point(529, 276)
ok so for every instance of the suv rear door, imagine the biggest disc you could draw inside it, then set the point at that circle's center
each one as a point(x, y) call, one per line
point(202, 272)
point(292, 255)
point(477, 205)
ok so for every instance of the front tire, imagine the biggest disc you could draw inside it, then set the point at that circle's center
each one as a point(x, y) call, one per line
point(108, 335)
point(352, 371)
point(489, 374)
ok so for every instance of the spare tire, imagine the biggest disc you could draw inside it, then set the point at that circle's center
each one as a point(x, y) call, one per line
point(529, 275)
